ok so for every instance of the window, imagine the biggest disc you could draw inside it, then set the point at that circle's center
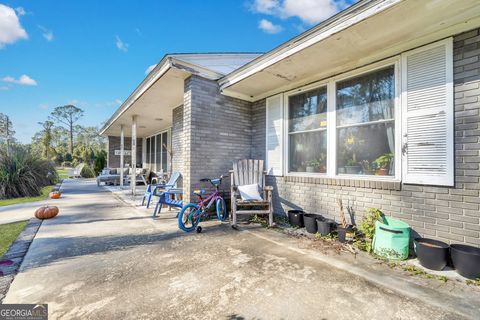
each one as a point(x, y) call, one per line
point(148, 151)
point(156, 151)
point(375, 124)
point(365, 111)
point(152, 152)
point(307, 132)
point(158, 159)
point(164, 150)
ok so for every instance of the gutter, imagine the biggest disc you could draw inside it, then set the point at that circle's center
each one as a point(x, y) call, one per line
point(339, 22)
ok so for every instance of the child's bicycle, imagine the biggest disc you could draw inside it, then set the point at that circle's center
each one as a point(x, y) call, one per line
point(191, 214)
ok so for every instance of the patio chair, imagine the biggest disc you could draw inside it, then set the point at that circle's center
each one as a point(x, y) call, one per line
point(75, 172)
point(154, 189)
point(248, 173)
point(169, 198)
point(140, 176)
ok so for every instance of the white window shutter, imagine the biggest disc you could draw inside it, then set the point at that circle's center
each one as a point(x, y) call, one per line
point(274, 135)
point(427, 115)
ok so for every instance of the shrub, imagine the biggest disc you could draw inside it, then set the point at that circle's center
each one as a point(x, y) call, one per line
point(100, 162)
point(87, 172)
point(68, 157)
point(59, 158)
point(24, 175)
point(367, 227)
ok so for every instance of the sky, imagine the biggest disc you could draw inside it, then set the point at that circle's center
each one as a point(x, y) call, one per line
point(93, 54)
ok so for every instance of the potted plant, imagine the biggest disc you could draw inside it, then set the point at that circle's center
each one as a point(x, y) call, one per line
point(382, 164)
point(367, 168)
point(352, 167)
point(345, 231)
point(313, 165)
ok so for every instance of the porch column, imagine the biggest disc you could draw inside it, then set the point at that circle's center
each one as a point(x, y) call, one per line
point(122, 151)
point(133, 180)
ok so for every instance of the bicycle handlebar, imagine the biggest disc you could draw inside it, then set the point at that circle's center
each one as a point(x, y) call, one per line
point(210, 180)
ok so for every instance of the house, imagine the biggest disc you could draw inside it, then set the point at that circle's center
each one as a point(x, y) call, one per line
point(377, 105)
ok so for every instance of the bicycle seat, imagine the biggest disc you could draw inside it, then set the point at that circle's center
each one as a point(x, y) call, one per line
point(199, 192)
point(204, 180)
point(216, 182)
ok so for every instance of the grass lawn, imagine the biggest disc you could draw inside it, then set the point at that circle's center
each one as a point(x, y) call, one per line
point(62, 173)
point(8, 233)
point(45, 191)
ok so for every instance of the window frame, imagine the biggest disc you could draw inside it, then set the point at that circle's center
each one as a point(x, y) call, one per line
point(331, 129)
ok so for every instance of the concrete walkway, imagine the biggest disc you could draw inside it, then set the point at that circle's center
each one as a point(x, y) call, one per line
point(102, 259)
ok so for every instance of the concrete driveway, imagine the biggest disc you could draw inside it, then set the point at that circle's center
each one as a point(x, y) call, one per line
point(103, 259)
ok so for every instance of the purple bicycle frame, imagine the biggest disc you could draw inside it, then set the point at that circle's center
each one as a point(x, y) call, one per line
point(210, 199)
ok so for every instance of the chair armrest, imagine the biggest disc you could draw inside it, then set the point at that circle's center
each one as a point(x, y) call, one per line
point(268, 188)
point(174, 191)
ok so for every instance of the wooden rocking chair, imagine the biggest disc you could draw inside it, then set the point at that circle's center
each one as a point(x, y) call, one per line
point(247, 172)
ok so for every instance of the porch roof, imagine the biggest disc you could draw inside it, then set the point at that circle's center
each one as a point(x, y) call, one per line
point(369, 31)
point(163, 88)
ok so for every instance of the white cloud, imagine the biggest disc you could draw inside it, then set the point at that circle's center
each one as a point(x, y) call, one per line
point(149, 69)
point(266, 6)
point(4, 88)
point(122, 46)
point(10, 28)
point(47, 34)
point(269, 27)
point(108, 104)
point(309, 11)
point(24, 80)
point(20, 11)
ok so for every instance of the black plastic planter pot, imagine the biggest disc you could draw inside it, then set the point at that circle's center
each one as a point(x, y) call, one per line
point(310, 221)
point(324, 226)
point(466, 259)
point(295, 218)
point(432, 254)
point(344, 233)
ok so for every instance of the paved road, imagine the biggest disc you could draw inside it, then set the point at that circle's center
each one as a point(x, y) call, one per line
point(102, 259)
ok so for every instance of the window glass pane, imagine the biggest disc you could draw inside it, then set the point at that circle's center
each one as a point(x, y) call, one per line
point(158, 152)
point(164, 151)
point(366, 98)
point(366, 149)
point(148, 151)
point(308, 152)
point(152, 152)
point(308, 111)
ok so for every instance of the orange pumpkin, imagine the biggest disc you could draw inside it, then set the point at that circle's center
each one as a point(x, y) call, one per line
point(46, 212)
point(55, 194)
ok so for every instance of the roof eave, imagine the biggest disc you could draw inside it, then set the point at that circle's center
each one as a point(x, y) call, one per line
point(160, 69)
point(342, 20)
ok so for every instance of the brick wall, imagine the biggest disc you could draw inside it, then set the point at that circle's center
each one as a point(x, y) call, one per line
point(177, 141)
point(217, 130)
point(448, 214)
point(114, 144)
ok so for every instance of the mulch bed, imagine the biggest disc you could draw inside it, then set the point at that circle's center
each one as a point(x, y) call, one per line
point(13, 258)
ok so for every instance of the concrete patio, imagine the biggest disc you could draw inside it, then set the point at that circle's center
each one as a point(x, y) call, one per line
point(104, 258)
